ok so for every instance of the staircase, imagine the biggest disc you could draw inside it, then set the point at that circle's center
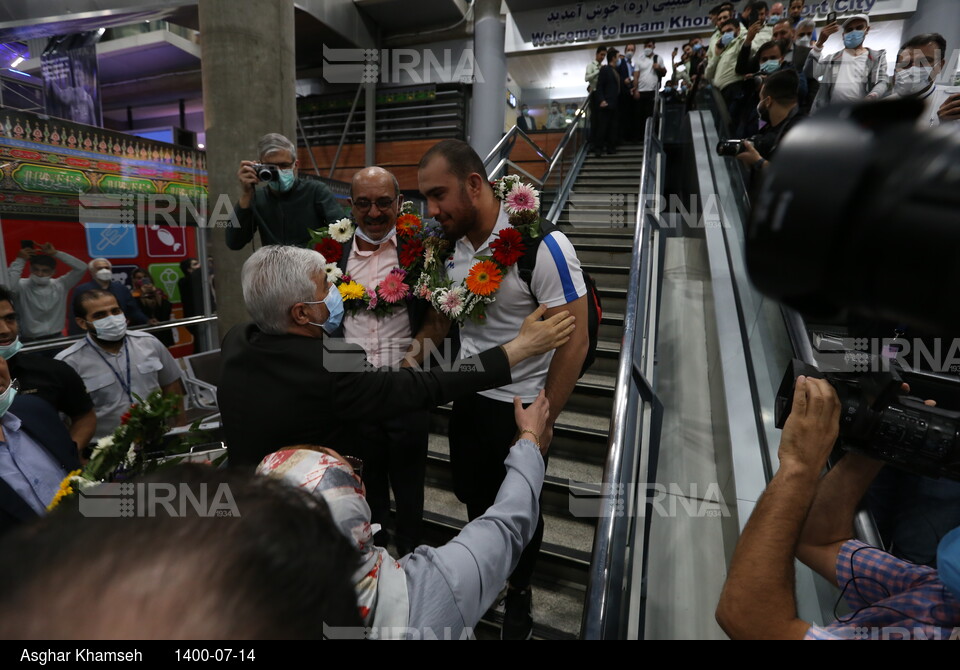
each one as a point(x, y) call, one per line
point(598, 220)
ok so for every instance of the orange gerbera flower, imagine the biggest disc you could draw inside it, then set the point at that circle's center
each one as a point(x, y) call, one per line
point(484, 278)
point(408, 224)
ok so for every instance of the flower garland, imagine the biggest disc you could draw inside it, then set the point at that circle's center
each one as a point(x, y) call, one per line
point(396, 288)
point(479, 288)
point(142, 432)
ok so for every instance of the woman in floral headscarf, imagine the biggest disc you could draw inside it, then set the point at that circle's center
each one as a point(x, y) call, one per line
point(433, 592)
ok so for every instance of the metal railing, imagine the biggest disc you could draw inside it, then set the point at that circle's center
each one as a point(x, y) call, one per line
point(63, 342)
point(615, 602)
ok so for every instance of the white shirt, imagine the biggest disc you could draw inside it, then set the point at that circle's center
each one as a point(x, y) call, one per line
point(555, 282)
point(150, 367)
point(644, 76)
point(850, 78)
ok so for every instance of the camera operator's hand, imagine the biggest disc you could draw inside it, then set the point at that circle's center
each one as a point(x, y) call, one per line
point(825, 34)
point(749, 156)
point(248, 180)
point(813, 426)
point(950, 110)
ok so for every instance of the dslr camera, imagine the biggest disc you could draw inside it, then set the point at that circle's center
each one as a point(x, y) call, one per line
point(266, 172)
point(730, 147)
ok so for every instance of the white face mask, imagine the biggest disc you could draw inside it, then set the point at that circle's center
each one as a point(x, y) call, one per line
point(912, 80)
point(40, 281)
point(111, 328)
point(106, 274)
point(805, 41)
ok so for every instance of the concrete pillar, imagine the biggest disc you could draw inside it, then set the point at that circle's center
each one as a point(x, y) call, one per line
point(370, 124)
point(488, 104)
point(249, 89)
point(937, 16)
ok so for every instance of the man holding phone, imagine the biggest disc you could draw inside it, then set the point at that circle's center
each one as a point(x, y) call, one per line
point(856, 73)
point(41, 298)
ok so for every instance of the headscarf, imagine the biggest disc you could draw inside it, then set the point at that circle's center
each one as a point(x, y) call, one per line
point(381, 584)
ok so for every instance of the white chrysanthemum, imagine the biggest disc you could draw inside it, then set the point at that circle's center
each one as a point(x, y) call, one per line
point(452, 301)
point(341, 231)
point(333, 272)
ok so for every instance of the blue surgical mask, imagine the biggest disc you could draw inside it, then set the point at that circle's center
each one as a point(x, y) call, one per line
point(773, 19)
point(668, 89)
point(854, 39)
point(285, 181)
point(770, 66)
point(111, 328)
point(727, 39)
point(9, 351)
point(7, 398)
point(334, 303)
point(697, 47)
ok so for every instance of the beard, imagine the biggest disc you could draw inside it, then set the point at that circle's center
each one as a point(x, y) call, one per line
point(462, 221)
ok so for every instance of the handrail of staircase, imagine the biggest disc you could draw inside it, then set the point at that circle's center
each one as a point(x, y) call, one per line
point(614, 604)
point(510, 138)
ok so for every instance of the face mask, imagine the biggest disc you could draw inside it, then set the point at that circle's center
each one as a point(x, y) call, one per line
point(668, 89)
point(912, 81)
point(334, 303)
point(727, 39)
point(763, 112)
point(629, 55)
point(648, 52)
point(104, 275)
point(40, 281)
point(805, 41)
point(111, 328)
point(285, 182)
point(697, 47)
point(386, 238)
point(773, 19)
point(854, 39)
point(6, 399)
point(9, 351)
point(770, 66)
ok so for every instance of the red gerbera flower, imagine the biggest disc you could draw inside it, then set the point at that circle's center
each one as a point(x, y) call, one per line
point(331, 249)
point(508, 248)
point(407, 225)
point(409, 253)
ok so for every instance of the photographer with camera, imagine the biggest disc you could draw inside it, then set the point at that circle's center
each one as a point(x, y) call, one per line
point(811, 518)
point(286, 208)
point(779, 108)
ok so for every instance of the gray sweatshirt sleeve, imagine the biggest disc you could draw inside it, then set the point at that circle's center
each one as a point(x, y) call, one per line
point(450, 587)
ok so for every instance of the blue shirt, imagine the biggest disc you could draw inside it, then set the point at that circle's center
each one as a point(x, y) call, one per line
point(27, 467)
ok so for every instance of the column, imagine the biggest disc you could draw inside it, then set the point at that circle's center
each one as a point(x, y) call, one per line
point(488, 103)
point(249, 89)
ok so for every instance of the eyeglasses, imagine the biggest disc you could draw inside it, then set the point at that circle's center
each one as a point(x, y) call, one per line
point(362, 204)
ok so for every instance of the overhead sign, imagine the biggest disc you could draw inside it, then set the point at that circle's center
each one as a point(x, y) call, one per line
point(595, 22)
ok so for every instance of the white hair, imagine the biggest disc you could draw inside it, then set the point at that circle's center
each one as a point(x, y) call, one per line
point(91, 266)
point(274, 279)
point(275, 142)
point(806, 23)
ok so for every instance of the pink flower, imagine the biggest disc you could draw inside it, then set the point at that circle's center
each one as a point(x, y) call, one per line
point(373, 301)
point(452, 303)
point(425, 292)
point(522, 197)
point(392, 289)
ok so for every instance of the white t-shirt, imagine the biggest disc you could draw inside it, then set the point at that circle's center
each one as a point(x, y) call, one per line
point(644, 76)
point(850, 78)
point(557, 280)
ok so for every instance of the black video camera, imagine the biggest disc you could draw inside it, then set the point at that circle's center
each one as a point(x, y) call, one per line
point(878, 419)
point(730, 147)
point(266, 172)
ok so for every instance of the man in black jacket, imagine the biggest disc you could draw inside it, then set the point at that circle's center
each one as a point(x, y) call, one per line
point(287, 207)
point(608, 94)
point(285, 383)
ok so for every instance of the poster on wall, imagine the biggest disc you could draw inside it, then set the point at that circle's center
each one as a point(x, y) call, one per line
point(70, 76)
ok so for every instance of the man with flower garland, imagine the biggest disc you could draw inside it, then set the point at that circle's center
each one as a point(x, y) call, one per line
point(486, 286)
point(382, 258)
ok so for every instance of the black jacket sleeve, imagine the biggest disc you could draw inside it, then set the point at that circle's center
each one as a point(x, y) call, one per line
point(746, 63)
point(239, 237)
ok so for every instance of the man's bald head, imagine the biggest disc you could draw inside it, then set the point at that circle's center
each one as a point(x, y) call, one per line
point(375, 201)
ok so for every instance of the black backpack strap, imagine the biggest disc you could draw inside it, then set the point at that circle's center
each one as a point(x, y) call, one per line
point(529, 259)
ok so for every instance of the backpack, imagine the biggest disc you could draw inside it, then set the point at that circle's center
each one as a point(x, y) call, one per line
point(594, 307)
